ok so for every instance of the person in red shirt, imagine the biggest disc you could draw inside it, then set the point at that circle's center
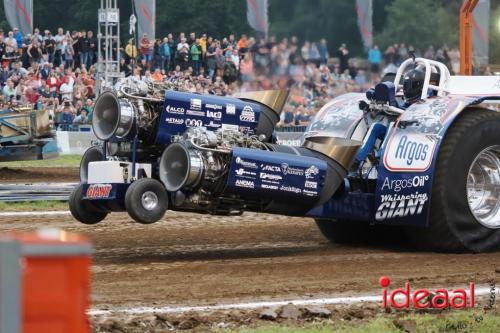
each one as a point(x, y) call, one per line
point(53, 82)
point(146, 49)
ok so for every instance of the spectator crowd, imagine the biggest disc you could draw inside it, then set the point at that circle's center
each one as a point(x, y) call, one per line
point(58, 72)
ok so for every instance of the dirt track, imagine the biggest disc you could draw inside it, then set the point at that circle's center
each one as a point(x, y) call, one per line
point(39, 174)
point(190, 259)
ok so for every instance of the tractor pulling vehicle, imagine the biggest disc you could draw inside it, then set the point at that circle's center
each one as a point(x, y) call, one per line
point(430, 165)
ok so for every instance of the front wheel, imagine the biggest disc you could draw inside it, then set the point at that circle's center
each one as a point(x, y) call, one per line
point(465, 203)
point(146, 200)
point(84, 210)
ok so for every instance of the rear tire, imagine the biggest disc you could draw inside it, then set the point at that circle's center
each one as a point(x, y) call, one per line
point(146, 200)
point(452, 225)
point(84, 211)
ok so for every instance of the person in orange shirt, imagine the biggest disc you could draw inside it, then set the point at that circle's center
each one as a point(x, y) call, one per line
point(242, 43)
point(157, 76)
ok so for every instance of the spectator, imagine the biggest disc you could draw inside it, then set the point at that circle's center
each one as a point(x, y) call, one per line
point(375, 58)
point(183, 54)
point(82, 118)
point(66, 115)
point(59, 39)
point(323, 51)
point(343, 55)
point(9, 90)
point(165, 47)
point(145, 48)
point(195, 52)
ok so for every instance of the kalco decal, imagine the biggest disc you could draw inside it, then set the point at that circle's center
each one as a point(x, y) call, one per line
point(230, 109)
point(245, 183)
point(403, 298)
point(97, 191)
point(173, 109)
point(290, 189)
point(214, 114)
point(394, 206)
point(247, 114)
point(175, 121)
point(397, 185)
point(288, 170)
point(246, 164)
point(213, 106)
point(194, 123)
point(409, 152)
point(312, 171)
point(195, 104)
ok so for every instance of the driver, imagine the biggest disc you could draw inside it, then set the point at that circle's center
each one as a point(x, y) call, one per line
point(413, 83)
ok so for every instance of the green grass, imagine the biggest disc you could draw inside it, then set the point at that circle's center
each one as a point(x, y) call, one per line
point(455, 321)
point(60, 161)
point(30, 206)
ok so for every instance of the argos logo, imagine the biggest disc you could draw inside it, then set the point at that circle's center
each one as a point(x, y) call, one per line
point(409, 152)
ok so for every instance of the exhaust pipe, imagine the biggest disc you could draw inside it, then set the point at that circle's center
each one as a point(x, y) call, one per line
point(180, 167)
point(272, 103)
point(112, 117)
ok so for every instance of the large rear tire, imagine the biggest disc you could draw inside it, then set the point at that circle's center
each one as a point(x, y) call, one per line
point(146, 200)
point(84, 211)
point(465, 203)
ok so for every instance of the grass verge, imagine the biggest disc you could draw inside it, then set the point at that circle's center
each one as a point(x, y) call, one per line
point(32, 206)
point(60, 161)
point(456, 321)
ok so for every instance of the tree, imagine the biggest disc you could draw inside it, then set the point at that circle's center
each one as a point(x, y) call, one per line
point(419, 23)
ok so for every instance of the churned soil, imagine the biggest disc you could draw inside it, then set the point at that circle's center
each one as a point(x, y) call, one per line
point(39, 174)
point(190, 260)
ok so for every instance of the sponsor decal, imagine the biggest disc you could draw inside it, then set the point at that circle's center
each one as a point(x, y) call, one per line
point(270, 187)
point(195, 113)
point(175, 121)
point(243, 172)
point(245, 183)
point(272, 168)
point(288, 170)
point(409, 152)
point(230, 109)
point(397, 185)
point(213, 106)
point(292, 189)
point(194, 123)
point(309, 193)
point(98, 191)
point(312, 171)
point(395, 205)
point(246, 164)
point(195, 104)
point(310, 184)
point(175, 110)
point(270, 176)
point(212, 124)
point(247, 114)
point(441, 298)
point(229, 127)
point(214, 114)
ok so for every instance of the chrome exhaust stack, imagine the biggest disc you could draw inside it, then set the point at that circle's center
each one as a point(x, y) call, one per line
point(112, 116)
